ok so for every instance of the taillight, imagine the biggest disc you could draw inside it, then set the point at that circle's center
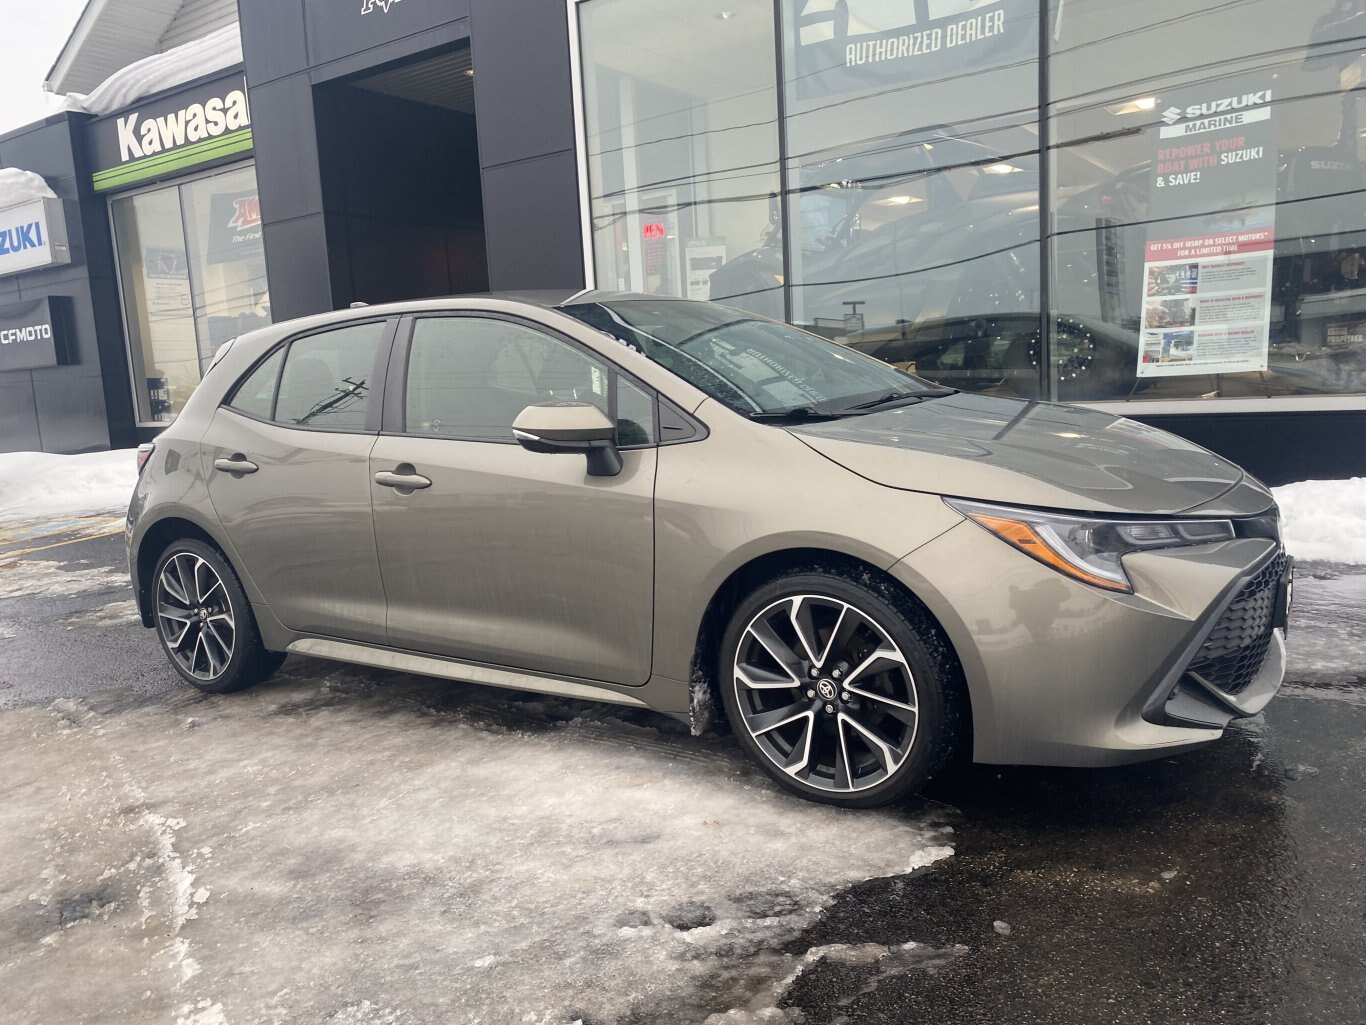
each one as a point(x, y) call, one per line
point(144, 453)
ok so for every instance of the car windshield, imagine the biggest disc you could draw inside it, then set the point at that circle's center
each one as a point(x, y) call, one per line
point(754, 366)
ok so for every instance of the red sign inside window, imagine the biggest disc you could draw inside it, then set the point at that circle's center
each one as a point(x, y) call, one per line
point(655, 229)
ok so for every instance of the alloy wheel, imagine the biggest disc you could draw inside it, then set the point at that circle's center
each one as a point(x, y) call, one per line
point(195, 617)
point(825, 693)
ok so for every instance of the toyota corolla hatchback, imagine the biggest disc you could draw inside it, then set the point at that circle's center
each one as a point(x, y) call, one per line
point(680, 506)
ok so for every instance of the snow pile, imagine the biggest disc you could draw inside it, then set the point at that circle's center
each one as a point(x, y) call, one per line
point(18, 186)
point(219, 50)
point(364, 857)
point(38, 484)
point(1325, 519)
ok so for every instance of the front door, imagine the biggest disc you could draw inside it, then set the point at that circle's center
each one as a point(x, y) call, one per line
point(508, 557)
point(289, 476)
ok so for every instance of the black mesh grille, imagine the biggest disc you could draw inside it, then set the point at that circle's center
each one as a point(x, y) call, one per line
point(1233, 653)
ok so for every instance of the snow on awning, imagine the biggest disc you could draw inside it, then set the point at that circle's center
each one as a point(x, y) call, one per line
point(109, 35)
point(217, 51)
point(18, 186)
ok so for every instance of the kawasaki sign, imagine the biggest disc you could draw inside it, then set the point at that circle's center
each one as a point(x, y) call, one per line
point(199, 126)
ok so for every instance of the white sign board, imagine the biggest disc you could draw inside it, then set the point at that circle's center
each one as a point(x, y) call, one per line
point(32, 235)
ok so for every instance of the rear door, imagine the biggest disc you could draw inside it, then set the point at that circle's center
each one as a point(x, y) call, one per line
point(290, 479)
point(508, 557)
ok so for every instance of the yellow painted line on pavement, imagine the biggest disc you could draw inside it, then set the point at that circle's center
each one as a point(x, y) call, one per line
point(59, 544)
point(34, 531)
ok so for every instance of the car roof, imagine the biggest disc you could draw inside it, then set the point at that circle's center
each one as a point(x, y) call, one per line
point(546, 298)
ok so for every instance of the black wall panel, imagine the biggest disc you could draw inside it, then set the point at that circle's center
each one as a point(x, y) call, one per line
point(523, 100)
point(1278, 448)
point(86, 404)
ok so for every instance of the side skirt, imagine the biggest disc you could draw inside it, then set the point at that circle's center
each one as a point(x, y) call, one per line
point(466, 672)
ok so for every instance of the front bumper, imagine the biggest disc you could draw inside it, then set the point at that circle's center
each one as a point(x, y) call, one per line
point(1061, 673)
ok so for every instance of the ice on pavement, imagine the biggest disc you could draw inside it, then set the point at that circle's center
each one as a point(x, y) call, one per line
point(1325, 519)
point(359, 850)
point(34, 485)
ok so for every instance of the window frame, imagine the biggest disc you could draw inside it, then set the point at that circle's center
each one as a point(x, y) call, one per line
point(394, 420)
point(373, 409)
point(119, 270)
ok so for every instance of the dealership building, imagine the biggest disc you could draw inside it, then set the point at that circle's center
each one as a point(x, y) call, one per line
point(1157, 210)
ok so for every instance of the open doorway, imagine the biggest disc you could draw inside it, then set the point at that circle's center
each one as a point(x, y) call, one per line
point(400, 179)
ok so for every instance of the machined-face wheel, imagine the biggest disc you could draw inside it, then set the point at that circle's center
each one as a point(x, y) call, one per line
point(194, 616)
point(826, 693)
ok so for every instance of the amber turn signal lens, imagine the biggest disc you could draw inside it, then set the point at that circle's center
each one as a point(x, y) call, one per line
point(1024, 537)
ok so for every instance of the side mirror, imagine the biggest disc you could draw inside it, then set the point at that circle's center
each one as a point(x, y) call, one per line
point(570, 427)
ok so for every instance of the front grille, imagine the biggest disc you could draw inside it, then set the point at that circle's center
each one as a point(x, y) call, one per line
point(1233, 653)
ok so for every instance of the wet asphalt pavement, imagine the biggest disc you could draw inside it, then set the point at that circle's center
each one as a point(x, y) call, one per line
point(1227, 885)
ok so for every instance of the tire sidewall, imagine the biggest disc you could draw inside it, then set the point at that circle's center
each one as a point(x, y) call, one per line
point(233, 676)
point(904, 624)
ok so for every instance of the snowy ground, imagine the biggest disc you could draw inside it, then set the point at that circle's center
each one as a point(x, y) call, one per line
point(35, 485)
point(317, 850)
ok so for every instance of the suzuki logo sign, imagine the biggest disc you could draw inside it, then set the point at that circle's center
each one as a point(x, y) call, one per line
point(32, 235)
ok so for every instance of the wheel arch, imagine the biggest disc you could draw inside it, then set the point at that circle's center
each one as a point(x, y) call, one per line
point(707, 710)
point(152, 541)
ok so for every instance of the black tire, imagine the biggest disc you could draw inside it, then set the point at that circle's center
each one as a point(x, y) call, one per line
point(206, 632)
point(912, 702)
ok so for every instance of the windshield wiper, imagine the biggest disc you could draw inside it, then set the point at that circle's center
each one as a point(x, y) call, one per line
point(794, 414)
point(899, 398)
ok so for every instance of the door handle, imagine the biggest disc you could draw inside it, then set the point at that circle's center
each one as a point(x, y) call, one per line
point(237, 465)
point(403, 481)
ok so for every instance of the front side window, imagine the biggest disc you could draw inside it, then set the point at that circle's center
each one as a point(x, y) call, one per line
point(326, 378)
point(470, 377)
point(752, 365)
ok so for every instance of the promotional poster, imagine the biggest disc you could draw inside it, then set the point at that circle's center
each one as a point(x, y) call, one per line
point(1207, 267)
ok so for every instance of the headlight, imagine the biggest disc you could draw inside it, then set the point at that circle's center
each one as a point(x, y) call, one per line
point(1088, 548)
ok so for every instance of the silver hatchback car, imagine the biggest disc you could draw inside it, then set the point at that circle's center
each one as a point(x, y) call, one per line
point(681, 506)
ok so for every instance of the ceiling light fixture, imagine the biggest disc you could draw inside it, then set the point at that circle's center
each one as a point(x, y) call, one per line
point(898, 200)
point(1001, 168)
point(1138, 106)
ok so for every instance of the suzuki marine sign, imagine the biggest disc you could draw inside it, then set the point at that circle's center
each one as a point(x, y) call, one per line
point(199, 126)
point(32, 235)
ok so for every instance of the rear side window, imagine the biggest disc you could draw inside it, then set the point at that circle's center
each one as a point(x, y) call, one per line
point(326, 378)
point(256, 393)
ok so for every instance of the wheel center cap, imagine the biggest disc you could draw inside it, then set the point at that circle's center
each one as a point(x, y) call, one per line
point(827, 690)
point(203, 613)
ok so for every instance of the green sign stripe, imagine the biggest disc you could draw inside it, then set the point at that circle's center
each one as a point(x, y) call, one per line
point(162, 163)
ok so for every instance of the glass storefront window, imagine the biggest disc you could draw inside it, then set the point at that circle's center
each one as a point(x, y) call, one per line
point(681, 111)
point(1210, 239)
point(912, 172)
point(1203, 187)
point(192, 267)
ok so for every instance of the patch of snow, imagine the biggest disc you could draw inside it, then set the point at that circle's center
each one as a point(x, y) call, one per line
point(34, 485)
point(116, 613)
point(217, 51)
point(47, 579)
point(1325, 519)
point(18, 186)
point(543, 871)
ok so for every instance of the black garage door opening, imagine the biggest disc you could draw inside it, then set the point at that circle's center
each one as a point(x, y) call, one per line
point(401, 184)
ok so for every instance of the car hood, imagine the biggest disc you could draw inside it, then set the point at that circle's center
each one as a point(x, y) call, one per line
point(1037, 454)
